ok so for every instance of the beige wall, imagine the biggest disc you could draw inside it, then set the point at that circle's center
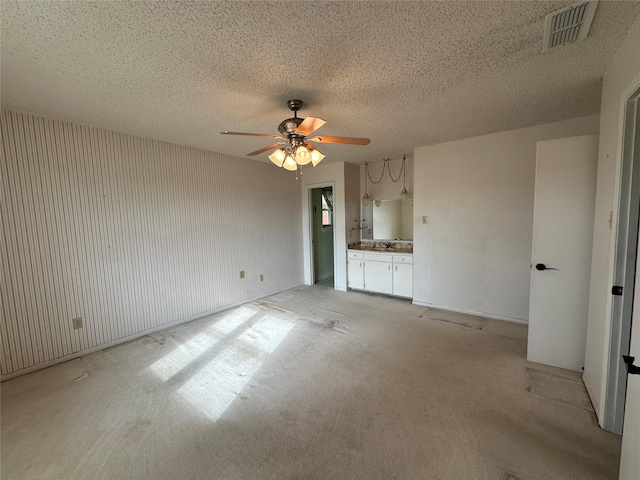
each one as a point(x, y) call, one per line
point(474, 253)
point(622, 72)
point(130, 234)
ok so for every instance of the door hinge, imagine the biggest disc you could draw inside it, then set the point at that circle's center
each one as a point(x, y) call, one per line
point(616, 290)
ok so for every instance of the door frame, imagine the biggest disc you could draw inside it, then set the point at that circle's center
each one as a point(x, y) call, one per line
point(314, 242)
point(309, 280)
point(625, 257)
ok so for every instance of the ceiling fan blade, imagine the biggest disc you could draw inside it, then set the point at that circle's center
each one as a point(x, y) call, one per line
point(258, 152)
point(309, 125)
point(268, 135)
point(347, 140)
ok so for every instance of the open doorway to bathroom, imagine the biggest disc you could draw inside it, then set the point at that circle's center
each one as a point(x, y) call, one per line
point(322, 219)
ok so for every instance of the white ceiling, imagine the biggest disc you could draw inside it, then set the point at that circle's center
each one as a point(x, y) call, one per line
point(404, 74)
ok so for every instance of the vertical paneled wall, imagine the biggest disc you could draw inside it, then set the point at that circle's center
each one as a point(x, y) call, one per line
point(622, 70)
point(352, 199)
point(130, 234)
point(387, 189)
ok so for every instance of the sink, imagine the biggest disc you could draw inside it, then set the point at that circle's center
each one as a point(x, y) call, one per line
point(383, 249)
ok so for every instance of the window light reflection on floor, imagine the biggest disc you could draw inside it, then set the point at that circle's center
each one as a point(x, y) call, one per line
point(179, 358)
point(217, 384)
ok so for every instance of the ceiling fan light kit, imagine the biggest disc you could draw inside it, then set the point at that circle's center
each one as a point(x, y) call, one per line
point(278, 157)
point(293, 147)
point(366, 199)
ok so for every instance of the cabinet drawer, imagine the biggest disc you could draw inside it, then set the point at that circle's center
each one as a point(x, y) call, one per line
point(403, 259)
point(377, 257)
point(355, 255)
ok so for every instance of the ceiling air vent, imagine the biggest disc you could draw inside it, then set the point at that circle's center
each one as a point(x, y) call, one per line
point(569, 24)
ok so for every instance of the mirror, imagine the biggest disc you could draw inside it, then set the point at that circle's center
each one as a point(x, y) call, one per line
point(388, 220)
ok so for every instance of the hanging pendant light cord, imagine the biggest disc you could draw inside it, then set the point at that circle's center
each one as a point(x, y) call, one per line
point(404, 174)
point(401, 173)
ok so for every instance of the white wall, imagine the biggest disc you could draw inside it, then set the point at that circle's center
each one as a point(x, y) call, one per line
point(621, 74)
point(313, 177)
point(130, 234)
point(474, 253)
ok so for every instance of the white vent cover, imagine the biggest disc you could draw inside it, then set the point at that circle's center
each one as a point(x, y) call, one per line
point(569, 24)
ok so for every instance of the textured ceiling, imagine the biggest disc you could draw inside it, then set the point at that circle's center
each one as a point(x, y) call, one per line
point(404, 74)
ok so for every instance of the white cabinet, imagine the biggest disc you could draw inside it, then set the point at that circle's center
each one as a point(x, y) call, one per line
point(378, 275)
point(355, 270)
point(388, 273)
point(403, 275)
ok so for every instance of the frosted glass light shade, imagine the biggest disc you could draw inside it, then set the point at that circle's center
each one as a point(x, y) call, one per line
point(316, 157)
point(366, 200)
point(277, 157)
point(404, 195)
point(303, 155)
point(290, 163)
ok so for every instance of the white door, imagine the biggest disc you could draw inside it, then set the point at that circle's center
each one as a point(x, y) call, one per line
point(561, 253)
point(630, 457)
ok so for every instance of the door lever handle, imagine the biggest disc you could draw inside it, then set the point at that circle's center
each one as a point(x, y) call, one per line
point(542, 266)
point(631, 368)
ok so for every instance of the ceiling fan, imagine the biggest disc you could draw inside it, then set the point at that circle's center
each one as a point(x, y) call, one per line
point(293, 147)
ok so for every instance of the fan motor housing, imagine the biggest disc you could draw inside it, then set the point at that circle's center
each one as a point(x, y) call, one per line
point(288, 126)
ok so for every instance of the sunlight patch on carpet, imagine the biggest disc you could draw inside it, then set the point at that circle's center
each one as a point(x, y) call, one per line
point(181, 357)
point(217, 384)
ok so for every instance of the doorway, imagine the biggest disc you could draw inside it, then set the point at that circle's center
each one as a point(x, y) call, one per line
point(625, 266)
point(322, 235)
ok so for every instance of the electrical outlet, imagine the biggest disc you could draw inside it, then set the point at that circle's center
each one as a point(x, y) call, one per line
point(77, 323)
point(261, 277)
point(241, 273)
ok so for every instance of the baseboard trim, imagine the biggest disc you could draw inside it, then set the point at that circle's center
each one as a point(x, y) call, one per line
point(592, 398)
point(471, 312)
point(104, 346)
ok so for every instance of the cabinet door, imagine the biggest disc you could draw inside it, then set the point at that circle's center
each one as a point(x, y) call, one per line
point(378, 277)
point(403, 279)
point(355, 273)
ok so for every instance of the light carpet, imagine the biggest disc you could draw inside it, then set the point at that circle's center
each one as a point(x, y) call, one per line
point(311, 383)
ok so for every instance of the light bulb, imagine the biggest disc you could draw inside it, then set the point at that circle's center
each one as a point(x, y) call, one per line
point(366, 200)
point(290, 163)
point(277, 157)
point(303, 155)
point(404, 195)
point(316, 157)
